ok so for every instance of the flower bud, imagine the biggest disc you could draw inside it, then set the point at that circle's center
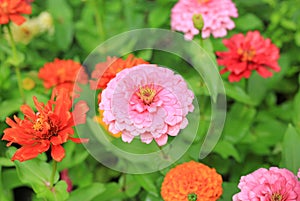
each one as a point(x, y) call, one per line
point(198, 21)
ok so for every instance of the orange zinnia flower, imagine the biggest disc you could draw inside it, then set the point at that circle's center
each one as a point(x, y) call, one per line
point(192, 181)
point(63, 74)
point(49, 128)
point(11, 10)
point(102, 75)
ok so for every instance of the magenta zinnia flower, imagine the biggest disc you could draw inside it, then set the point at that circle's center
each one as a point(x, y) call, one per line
point(216, 16)
point(274, 184)
point(147, 101)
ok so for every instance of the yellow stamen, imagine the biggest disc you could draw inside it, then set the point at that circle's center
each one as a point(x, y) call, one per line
point(276, 197)
point(203, 1)
point(38, 126)
point(247, 55)
point(146, 94)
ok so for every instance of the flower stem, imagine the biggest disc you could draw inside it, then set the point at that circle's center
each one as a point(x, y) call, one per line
point(54, 168)
point(17, 69)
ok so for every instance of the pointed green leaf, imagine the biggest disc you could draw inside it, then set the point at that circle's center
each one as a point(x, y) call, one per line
point(147, 183)
point(291, 149)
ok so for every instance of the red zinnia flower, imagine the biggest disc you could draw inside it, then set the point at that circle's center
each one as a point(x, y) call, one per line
point(49, 128)
point(248, 53)
point(62, 74)
point(11, 10)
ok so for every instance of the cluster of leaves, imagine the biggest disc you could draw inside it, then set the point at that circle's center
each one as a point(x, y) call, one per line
point(262, 127)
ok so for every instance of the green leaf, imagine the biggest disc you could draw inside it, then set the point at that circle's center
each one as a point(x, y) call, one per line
point(10, 179)
point(34, 171)
point(62, 14)
point(57, 193)
point(229, 189)
point(112, 191)
point(297, 38)
point(8, 107)
point(238, 122)
point(226, 149)
point(6, 162)
point(242, 22)
point(291, 149)
point(296, 111)
point(237, 93)
point(158, 16)
point(87, 193)
point(147, 183)
point(257, 88)
point(131, 187)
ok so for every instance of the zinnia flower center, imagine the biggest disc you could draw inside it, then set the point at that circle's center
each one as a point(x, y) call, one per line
point(46, 128)
point(146, 94)
point(192, 197)
point(39, 124)
point(276, 197)
point(203, 1)
point(247, 55)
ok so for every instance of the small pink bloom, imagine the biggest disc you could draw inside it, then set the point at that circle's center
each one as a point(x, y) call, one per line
point(216, 16)
point(64, 175)
point(274, 184)
point(147, 101)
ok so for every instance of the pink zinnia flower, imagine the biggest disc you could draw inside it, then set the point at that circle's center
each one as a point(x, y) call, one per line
point(248, 53)
point(147, 101)
point(216, 16)
point(274, 184)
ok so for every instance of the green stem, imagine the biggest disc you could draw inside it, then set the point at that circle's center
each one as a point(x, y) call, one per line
point(17, 69)
point(124, 183)
point(54, 168)
point(165, 156)
point(98, 19)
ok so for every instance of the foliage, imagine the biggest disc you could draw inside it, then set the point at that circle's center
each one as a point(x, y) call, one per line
point(262, 127)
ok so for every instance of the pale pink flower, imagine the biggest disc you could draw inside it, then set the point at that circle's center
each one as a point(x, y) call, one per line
point(274, 184)
point(216, 16)
point(298, 173)
point(147, 101)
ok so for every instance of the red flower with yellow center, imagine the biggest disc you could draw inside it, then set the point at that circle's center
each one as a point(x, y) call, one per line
point(248, 53)
point(63, 74)
point(49, 128)
point(12, 10)
point(192, 181)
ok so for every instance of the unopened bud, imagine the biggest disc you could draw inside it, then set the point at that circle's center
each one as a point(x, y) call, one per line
point(198, 21)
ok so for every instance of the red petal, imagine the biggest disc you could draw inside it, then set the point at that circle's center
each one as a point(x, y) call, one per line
point(79, 140)
point(30, 152)
point(18, 19)
point(57, 152)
